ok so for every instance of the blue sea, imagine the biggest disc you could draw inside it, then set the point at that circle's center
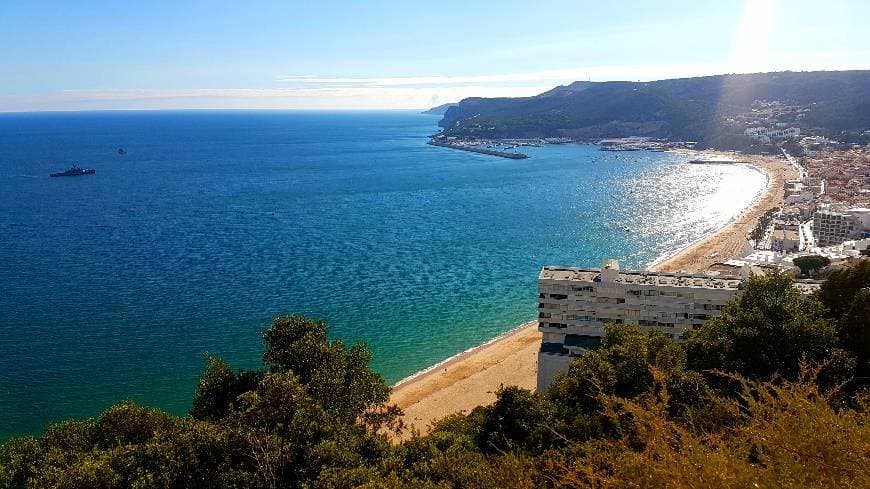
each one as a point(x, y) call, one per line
point(116, 285)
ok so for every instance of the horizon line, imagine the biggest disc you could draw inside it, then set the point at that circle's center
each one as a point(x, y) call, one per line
point(400, 96)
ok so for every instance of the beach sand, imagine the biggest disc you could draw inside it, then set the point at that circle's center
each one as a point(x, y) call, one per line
point(472, 378)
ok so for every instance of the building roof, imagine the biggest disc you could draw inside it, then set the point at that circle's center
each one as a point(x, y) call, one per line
point(591, 275)
point(808, 286)
point(785, 234)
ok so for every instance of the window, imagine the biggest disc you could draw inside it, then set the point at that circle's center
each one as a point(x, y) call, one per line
point(553, 348)
point(578, 317)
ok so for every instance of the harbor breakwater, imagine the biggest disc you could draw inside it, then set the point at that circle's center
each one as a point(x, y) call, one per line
point(503, 154)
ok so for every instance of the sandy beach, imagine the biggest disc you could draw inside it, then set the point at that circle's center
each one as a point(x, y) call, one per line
point(472, 378)
point(730, 240)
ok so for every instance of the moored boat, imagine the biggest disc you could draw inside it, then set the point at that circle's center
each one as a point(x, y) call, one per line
point(713, 160)
point(74, 171)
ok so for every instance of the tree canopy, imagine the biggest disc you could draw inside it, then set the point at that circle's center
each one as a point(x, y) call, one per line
point(811, 263)
point(770, 328)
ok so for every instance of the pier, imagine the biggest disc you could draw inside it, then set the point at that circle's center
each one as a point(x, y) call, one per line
point(503, 154)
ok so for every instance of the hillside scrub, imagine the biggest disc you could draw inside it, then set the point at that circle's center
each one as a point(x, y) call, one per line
point(765, 395)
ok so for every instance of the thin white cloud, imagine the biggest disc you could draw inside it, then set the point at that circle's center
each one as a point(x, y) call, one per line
point(840, 60)
point(258, 98)
point(407, 92)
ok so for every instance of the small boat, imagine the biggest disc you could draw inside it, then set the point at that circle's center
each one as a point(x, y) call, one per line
point(74, 171)
point(122, 151)
point(713, 160)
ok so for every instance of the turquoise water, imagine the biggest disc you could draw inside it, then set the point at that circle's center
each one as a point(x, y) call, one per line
point(115, 285)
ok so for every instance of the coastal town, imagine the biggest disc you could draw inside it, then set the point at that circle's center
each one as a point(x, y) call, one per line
point(813, 216)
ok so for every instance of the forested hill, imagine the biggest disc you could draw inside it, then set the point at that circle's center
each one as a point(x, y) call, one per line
point(685, 109)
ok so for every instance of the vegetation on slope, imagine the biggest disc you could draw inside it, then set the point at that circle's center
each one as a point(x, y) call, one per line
point(765, 395)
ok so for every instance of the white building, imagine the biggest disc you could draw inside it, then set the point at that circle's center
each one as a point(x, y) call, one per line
point(801, 197)
point(832, 226)
point(765, 135)
point(861, 215)
point(785, 240)
point(575, 305)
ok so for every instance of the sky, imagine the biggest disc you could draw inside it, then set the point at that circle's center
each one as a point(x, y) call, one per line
point(285, 54)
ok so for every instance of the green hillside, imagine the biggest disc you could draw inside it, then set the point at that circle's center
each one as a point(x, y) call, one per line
point(680, 109)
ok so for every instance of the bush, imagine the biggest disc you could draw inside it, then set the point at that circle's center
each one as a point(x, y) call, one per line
point(811, 264)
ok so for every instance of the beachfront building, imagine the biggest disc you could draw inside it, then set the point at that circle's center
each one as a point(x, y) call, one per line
point(575, 305)
point(765, 135)
point(832, 225)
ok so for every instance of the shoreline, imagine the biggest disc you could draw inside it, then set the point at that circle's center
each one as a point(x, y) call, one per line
point(730, 239)
point(459, 356)
point(664, 258)
point(470, 378)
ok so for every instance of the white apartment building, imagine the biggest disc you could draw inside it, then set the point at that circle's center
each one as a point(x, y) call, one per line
point(575, 305)
point(831, 227)
point(764, 134)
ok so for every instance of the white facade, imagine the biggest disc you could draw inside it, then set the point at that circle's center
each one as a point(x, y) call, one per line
point(801, 197)
point(831, 227)
point(785, 240)
point(576, 304)
point(764, 134)
point(861, 215)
